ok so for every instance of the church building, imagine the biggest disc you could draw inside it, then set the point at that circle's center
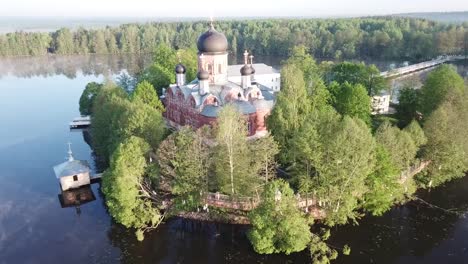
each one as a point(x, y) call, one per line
point(198, 102)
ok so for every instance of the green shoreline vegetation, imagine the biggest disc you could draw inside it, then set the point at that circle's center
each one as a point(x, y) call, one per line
point(321, 133)
point(390, 38)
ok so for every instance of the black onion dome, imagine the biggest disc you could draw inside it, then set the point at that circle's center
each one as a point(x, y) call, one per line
point(203, 75)
point(246, 70)
point(212, 41)
point(180, 69)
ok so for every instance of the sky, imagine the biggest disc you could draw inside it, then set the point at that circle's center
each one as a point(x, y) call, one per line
point(232, 8)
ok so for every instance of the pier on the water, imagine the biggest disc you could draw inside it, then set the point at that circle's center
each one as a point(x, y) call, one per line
point(81, 122)
point(420, 66)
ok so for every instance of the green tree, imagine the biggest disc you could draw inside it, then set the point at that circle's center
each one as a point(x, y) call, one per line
point(146, 93)
point(383, 186)
point(130, 39)
point(128, 203)
point(115, 119)
point(148, 38)
point(139, 119)
point(442, 84)
point(300, 57)
point(291, 110)
point(408, 105)
point(278, 226)
point(447, 145)
point(87, 97)
point(64, 42)
point(184, 161)
point(320, 252)
point(399, 144)
point(335, 155)
point(351, 100)
point(161, 73)
point(416, 133)
point(233, 156)
point(111, 41)
point(320, 96)
point(98, 43)
point(107, 107)
point(81, 41)
point(359, 73)
point(264, 150)
point(188, 57)
point(159, 77)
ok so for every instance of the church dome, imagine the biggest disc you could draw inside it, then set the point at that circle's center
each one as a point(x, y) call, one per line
point(246, 70)
point(212, 42)
point(180, 69)
point(203, 75)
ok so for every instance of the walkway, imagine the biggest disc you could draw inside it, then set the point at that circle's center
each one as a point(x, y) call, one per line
point(307, 202)
point(420, 66)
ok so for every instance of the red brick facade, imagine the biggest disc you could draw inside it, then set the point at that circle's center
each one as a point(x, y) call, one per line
point(181, 111)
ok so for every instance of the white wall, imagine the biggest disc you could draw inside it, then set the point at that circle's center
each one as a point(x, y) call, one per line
point(272, 81)
point(68, 182)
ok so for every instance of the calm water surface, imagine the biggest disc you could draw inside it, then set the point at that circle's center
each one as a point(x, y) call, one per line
point(39, 96)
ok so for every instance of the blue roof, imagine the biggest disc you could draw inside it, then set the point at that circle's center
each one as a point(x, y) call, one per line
point(210, 111)
point(244, 107)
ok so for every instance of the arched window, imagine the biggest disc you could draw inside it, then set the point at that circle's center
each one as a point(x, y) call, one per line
point(220, 68)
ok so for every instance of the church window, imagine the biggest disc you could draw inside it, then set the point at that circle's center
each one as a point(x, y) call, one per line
point(210, 68)
point(220, 68)
point(75, 177)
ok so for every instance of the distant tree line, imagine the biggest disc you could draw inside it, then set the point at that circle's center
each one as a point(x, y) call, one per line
point(378, 38)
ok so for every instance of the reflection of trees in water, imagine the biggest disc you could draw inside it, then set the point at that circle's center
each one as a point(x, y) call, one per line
point(70, 65)
point(410, 230)
point(186, 241)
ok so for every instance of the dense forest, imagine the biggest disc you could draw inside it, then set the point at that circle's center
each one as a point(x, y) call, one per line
point(377, 38)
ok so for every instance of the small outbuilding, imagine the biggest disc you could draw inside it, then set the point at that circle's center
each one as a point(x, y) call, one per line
point(72, 173)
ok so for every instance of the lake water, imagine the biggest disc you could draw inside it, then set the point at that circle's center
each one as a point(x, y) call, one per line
point(39, 96)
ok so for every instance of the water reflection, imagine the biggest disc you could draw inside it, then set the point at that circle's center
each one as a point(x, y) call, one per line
point(51, 65)
point(413, 233)
point(184, 241)
point(76, 197)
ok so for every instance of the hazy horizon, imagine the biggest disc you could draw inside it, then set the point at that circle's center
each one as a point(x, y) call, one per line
point(207, 8)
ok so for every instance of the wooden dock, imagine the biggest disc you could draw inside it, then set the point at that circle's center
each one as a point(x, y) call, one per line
point(80, 122)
